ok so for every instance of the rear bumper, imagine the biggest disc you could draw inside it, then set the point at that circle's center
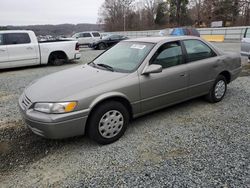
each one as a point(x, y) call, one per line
point(235, 73)
point(77, 56)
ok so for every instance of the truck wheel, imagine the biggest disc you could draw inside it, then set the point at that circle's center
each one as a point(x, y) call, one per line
point(101, 46)
point(218, 90)
point(56, 59)
point(108, 122)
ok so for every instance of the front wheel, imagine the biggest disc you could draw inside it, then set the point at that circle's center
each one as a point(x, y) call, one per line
point(218, 90)
point(108, 122)
point(101, 46)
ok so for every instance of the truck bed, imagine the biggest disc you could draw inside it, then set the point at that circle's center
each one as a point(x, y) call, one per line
point(48, 41)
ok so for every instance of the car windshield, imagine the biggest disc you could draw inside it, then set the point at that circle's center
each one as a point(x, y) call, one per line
point(125, 56)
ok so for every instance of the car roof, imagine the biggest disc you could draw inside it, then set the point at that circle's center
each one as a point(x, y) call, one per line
point(15, 31)
point(89, 32)
point(161, 39)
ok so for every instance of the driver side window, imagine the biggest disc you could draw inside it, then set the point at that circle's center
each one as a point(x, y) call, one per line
point(168, 55)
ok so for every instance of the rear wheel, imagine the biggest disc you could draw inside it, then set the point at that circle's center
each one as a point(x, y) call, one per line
point(218, 90)
point(108, 122)
point(57, 59)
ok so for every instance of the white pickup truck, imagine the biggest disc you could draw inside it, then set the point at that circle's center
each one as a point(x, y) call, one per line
point(21, 48)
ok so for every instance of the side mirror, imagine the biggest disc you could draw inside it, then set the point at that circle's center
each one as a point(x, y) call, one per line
point(152, 69)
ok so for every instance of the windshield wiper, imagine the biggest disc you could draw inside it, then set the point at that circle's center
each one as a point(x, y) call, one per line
point(106, 66)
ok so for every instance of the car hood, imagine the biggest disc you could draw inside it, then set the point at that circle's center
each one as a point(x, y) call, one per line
point(63, 84)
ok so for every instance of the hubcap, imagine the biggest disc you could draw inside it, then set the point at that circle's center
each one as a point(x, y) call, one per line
point(220, 89)
point(111, 124)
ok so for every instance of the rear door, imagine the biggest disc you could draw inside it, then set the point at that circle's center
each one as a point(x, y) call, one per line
point(245, 45)
point(20, 49)
point(202, 66)
point(96, 35)
point(4, 58)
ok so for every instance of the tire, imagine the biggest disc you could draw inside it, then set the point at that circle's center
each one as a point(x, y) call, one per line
point(108, 122)
point(55, 60)
point(101, 46)
point(218, 91)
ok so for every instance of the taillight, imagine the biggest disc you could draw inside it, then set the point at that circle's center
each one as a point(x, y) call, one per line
point(77, 46)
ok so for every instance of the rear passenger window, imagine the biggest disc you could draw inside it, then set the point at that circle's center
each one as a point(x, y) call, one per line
point(1, 39)
point(96, 34)
point(197, 50)
point(168, 55)
point(17, 38)
point(85, 35)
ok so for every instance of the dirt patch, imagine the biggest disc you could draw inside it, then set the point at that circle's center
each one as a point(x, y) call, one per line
point(19, 146)
point(4, 147)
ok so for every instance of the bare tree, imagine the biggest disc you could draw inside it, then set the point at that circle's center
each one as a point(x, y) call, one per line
point(125, 4)
point(197, 5)
point(118, 15)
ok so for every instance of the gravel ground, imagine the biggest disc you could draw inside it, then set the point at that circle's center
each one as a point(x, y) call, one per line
point(193, 144)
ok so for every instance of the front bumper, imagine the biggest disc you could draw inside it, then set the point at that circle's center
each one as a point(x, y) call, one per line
point(55, 126)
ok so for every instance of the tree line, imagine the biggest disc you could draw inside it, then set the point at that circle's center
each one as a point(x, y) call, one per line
point(119, 15)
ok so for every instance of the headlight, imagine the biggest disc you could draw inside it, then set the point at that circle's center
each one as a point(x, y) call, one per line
point(55, 108)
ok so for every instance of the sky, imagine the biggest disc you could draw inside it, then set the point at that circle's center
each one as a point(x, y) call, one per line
point(33, 12)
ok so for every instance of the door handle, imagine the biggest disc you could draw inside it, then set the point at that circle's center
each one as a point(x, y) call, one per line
point(29, 48)
point(2, 50)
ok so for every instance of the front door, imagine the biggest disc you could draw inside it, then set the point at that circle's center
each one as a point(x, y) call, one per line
point(20, 49)
point(168, 87)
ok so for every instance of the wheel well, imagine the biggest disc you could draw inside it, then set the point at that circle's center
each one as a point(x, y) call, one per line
point(59, 55)
point(122, 100)
point(227, 75)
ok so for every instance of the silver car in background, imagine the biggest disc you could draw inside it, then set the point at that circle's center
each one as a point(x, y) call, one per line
point(245, 44)
point(133, 78)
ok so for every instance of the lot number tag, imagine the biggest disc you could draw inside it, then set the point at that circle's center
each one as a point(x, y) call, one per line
point(138, 46)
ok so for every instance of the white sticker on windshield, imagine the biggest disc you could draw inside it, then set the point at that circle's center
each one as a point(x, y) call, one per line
point(138, 46)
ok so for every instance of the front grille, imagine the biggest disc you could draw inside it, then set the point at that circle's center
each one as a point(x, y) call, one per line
point(26, 102)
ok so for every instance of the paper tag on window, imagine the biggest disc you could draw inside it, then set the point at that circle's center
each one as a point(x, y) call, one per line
point(138, 46)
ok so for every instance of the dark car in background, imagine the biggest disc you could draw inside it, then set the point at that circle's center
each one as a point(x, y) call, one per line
point(107, 41)
point(185, 31)
point(245, 44)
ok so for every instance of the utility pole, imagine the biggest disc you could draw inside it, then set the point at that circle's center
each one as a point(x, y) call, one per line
point(124, 18)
